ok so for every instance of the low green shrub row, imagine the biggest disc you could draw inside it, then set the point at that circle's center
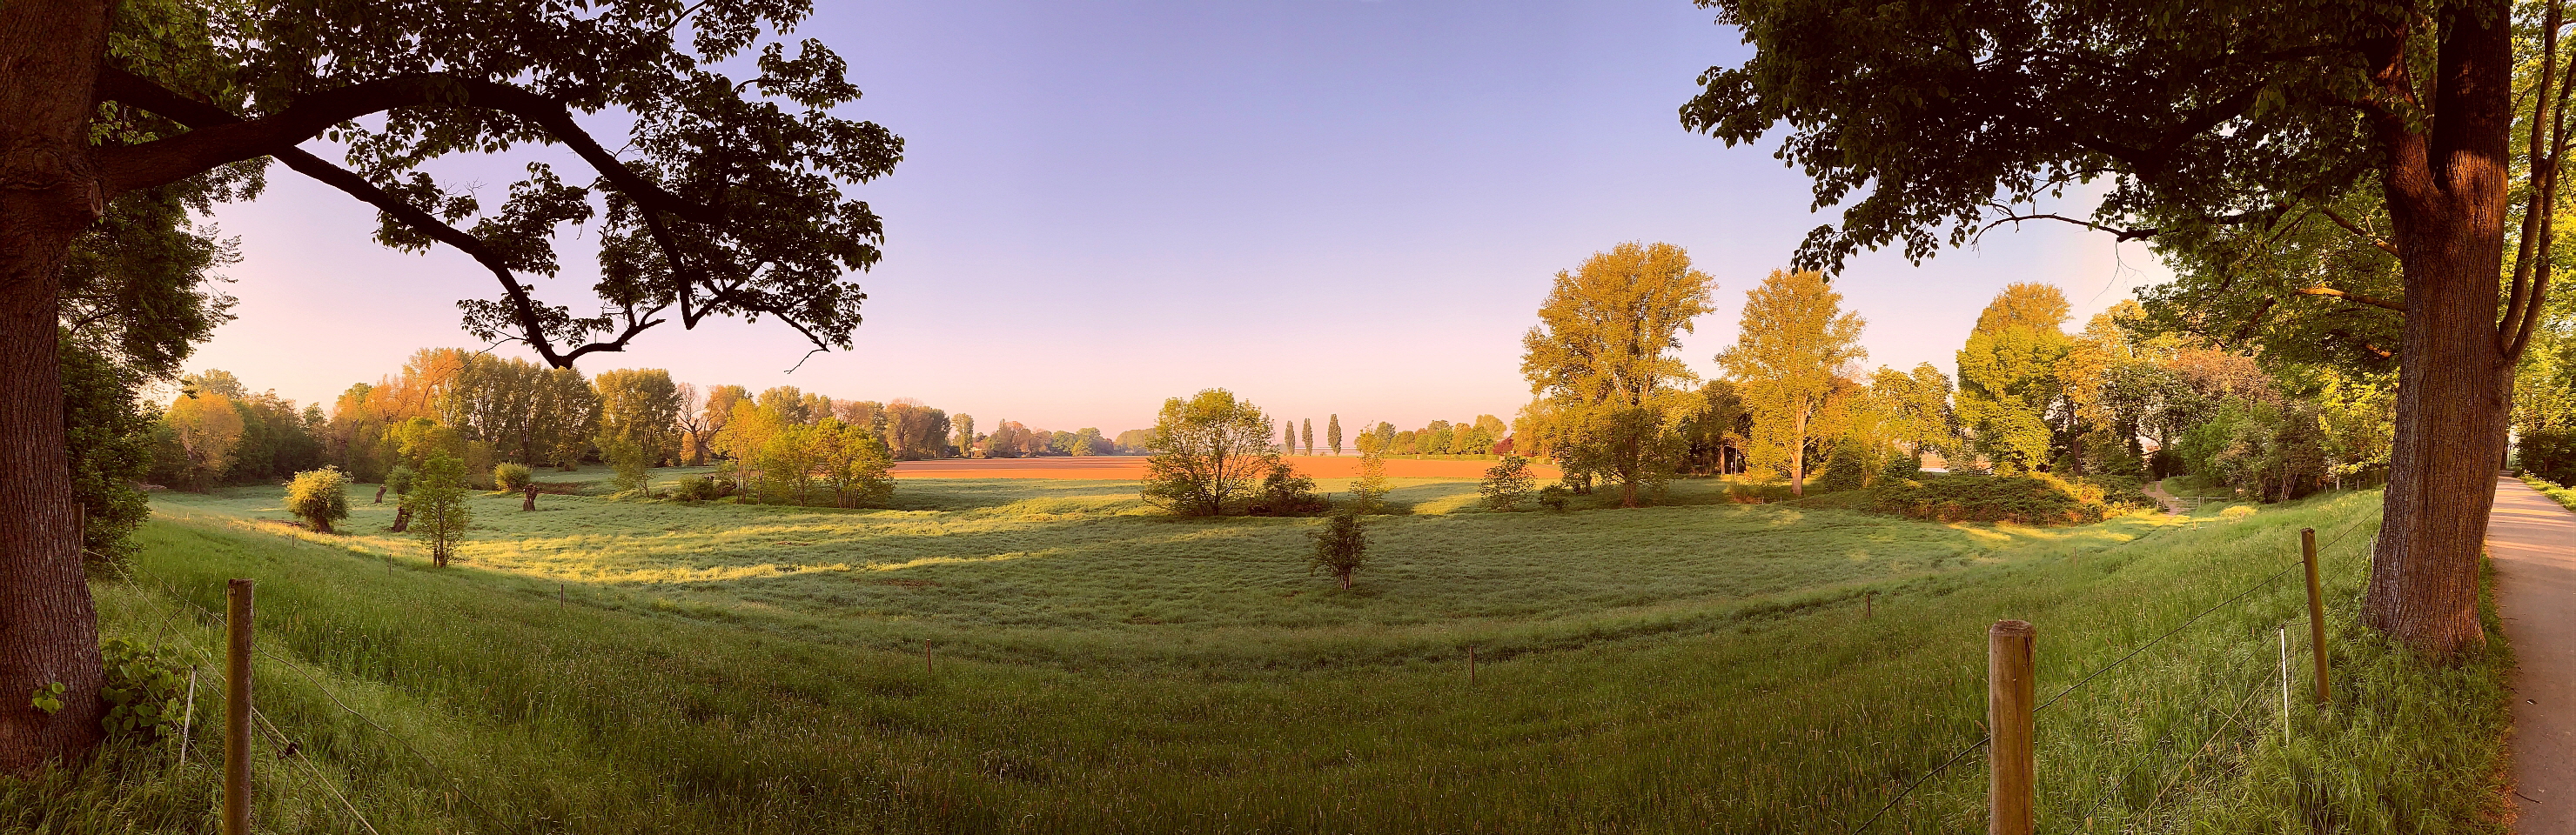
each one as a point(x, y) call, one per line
point(2039, 499)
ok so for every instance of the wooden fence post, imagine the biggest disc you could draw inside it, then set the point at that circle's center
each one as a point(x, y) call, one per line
point(925, 656)
point(1471, 664)
point(2316, 610)
point(2009, 699)
point(237, 650)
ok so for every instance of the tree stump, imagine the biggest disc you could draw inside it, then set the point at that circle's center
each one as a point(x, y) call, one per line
point(531, 502)
point(402, 518)
point(380, 494)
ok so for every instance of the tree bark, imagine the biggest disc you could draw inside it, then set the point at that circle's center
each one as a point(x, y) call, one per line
point(2447, 197)
point(1798, 453)
point(49, 54)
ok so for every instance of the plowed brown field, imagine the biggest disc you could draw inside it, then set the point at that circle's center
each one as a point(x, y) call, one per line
point(1133, 467)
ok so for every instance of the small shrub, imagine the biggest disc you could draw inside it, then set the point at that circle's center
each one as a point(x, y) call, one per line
point(1506, 484)
point(2039, 499)
point(1284, 491)
point(401, 479)
point(2122, 492)
point(1903, 468)
point(142, 690)
point(513, 478)
point(1758, 492)
point(698, 488)
point(1846, 468)
point(1341, 548)
point(629, 459)
point(1553, 496)
point(319, 497)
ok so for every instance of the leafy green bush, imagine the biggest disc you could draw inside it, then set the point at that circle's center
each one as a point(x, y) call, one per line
point(512, 477)
point(629, 460)
point(1904, 467)
point(142, 690)
point(1758, 492)
point(2122, 492)
point(401, 478)
point(2037, 499)
point(1284, 491)
point(319, 497)
point(1553, 496)
point(698, 488)
point(1506, 483)
point(1846, 468)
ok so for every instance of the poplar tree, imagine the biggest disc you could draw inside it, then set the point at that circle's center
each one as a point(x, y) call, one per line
point(1795, 344)
point(1306, 433)
point(1288, 433)
point(1333, 432)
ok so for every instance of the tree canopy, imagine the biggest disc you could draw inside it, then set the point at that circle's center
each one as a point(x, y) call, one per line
point(1795, 347)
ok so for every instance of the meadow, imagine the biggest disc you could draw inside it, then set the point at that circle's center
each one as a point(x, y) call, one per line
point(605, 666)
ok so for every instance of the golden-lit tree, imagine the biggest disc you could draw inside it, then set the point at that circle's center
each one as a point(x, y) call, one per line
point(1795, 345)
point(1208, 452)
point(1604, 352)
point(208, 429)
point(2008, 381)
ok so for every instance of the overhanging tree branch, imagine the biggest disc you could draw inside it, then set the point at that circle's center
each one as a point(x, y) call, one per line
point(179, 157)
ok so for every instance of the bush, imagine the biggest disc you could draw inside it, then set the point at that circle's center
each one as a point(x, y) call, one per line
point(1341, 548)
point(1758, 492)
point(2039, 499)
point(1553, 496)
point(512, 477)
point(1284, 492)
point(632, 463)
point(1507, 483)
point(1846, 468)
point(2122, 492)
point(698, 488)
point(141, 689)
point(319, 497)
point(401, 479)
point(1904, 467)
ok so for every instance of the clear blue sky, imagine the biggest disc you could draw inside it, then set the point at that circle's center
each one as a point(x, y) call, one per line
point(1324, 205)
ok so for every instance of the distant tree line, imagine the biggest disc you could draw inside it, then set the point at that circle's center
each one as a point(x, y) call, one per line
point(2135, 395)
point(781, 444)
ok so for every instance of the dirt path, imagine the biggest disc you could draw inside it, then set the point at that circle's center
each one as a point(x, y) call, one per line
point(2173, 505)
point(2532, 542)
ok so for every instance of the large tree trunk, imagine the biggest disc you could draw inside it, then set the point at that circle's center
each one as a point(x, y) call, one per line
point(2447, 198)
point(49, 53)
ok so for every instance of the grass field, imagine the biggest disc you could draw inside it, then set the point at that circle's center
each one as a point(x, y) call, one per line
point(627, 667)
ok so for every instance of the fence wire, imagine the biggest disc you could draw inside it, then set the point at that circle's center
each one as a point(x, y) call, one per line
point(2088, 678)
point(370, 721)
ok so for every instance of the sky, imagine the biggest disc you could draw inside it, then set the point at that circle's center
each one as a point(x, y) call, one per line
point(1326, 206)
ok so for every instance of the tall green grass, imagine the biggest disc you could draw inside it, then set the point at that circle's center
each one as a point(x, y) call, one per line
point(1774, 706)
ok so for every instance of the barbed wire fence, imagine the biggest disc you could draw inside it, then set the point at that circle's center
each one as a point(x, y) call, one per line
point(2172, 773)
point(287, 746)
